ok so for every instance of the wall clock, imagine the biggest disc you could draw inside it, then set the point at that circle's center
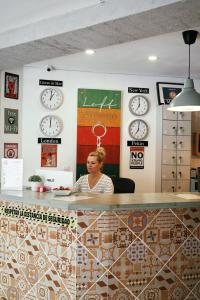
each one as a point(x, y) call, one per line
point(51, 98)
point(139, 105)
point(138, 129)
point(51, 125)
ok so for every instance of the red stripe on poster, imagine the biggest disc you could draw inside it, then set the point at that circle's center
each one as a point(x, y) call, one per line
point(112, 153)
point(86, 136)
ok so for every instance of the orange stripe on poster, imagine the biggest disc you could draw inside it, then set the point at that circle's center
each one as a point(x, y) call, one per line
point(112, 153)
point(85, 136)
point(90, 116)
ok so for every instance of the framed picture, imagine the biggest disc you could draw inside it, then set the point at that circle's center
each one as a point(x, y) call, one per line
point(11, 89)
point(10, 120)
point(167, 91)
point(10, 150)
point(48, 155)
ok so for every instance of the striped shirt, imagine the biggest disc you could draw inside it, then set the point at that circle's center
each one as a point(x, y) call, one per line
point(104, 185)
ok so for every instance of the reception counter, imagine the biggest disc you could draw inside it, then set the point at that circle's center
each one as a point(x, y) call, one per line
point(119, 247)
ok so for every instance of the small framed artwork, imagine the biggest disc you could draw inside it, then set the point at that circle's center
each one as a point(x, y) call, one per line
point(10, 150)
point(166, 91)
point(48, 155)
point(10, 120)
point(11, 88)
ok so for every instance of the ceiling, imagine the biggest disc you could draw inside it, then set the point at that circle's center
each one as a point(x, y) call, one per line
point(123, 33)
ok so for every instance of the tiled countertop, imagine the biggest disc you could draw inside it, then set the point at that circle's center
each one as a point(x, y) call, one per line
point(104, 202)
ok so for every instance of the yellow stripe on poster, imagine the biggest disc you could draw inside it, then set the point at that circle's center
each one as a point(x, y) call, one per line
point(89, 116)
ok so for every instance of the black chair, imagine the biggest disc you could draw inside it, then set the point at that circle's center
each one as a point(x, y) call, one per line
point(123, 185)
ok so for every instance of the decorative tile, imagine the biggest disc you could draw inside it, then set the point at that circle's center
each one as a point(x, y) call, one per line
point(196, 290)
point(136, 267)
point(107, 238)
point(137, 220)
point(52, 287)
point(196, 232)
point(85, 219)
point(164, 286)
point(191, 296)
point(5, 253)
point(2, 294)
point(15, 230)
point(88, 270)
point(54, 239)
point(165, 234)
point(189, 216)
point(186, 262)
point(16, 286)
point(31, 260)
point(107, 288)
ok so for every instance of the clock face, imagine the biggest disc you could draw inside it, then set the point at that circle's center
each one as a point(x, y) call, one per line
point(139, 105)
point(51, 98)
point(51, 125)
point(138, 129)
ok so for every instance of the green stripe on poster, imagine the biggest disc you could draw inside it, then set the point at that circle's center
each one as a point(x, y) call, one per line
point(108, 169)
point(102, 99)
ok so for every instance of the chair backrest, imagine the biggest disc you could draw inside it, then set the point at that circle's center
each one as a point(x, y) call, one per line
point(123, 185)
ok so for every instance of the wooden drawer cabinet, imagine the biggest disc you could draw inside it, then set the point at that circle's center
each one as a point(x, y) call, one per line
point(176, 151)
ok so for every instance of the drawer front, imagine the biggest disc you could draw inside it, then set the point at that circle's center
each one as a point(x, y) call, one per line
point(168, 186)
point(183, 186)
point(183, 172)
point(183, 128)
point(184, 142)
point(168, 172)
point(169, 127)
point(183, 158)
point(185, 116)
point(169, 142)
point(169, 115)
point(169, 157)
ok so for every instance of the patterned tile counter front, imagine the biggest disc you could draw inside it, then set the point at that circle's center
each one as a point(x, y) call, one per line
point(49, 253)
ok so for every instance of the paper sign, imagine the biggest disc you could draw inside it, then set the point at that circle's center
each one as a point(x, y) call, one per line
point(136, 158)
point(12, 174)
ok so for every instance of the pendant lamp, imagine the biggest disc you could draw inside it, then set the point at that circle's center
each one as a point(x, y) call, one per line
point(188, 99)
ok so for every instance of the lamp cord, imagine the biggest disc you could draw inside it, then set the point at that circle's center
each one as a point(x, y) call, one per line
point(189, 64)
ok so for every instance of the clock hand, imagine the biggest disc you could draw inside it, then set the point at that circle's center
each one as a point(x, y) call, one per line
point(138, 104)
point(50, 122)
point(51, 95)
point(138, 127)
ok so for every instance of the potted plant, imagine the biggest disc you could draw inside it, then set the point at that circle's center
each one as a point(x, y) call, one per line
point(36, 181)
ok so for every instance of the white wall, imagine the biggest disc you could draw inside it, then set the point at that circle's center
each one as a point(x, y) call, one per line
point(33, 112)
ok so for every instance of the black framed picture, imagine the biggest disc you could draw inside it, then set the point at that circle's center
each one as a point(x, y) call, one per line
point(11, 88)
point(166, 91)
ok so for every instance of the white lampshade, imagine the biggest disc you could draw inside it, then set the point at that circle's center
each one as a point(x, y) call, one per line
point(187, 100)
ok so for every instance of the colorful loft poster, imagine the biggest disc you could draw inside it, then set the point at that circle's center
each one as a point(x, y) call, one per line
point(98, 124)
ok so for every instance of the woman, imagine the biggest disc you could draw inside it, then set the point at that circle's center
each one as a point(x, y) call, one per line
point(95, 181)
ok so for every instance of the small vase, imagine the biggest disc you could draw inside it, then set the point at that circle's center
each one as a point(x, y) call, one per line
point(35, 185)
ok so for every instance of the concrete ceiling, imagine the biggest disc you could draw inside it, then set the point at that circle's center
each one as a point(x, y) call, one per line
point(123, 33)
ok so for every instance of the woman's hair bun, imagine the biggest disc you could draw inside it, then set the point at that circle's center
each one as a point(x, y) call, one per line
point(101, 154)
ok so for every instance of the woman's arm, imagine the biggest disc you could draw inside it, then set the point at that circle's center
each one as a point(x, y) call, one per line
point(108, 185)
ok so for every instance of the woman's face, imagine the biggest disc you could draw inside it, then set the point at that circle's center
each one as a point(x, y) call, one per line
point(93, 166)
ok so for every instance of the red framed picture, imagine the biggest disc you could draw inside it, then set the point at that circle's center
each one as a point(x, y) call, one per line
point(10, 150)
point(48, 155)
point(11, 89)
